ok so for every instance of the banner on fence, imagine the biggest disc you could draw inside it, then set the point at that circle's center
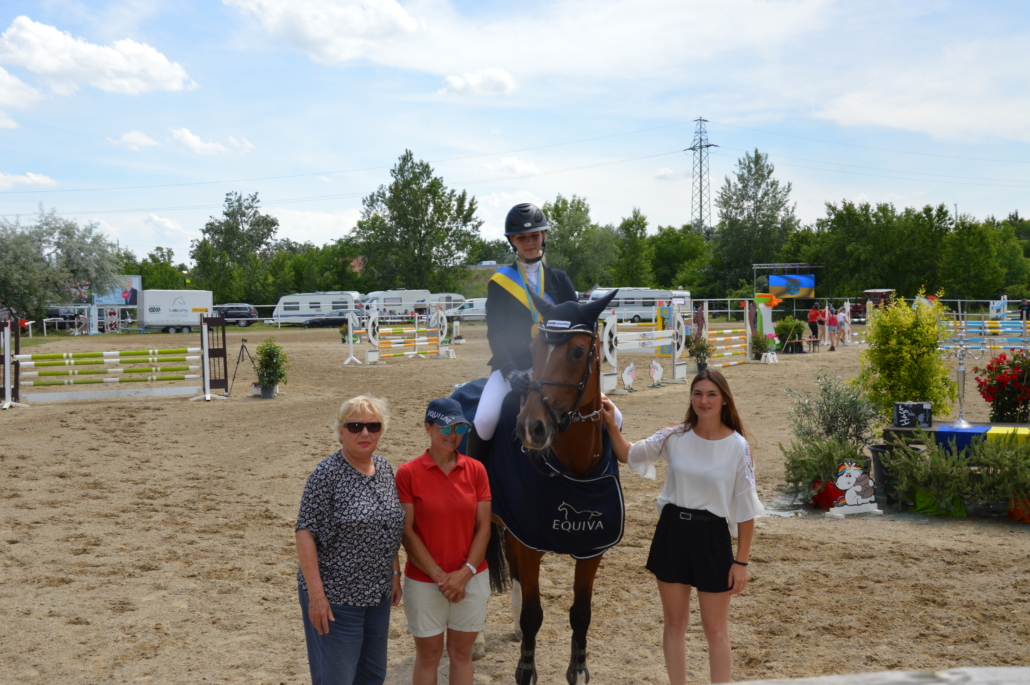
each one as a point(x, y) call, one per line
point(792, 285)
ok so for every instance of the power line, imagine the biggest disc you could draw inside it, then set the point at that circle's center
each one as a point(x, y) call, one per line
point(871, 147)
point(700, 194)
point(343, 171)
point(273, 203)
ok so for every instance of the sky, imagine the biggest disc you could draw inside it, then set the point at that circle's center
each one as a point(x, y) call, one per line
point(140, 115)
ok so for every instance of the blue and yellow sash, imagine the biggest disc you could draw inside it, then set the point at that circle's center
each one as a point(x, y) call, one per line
point(511, 279)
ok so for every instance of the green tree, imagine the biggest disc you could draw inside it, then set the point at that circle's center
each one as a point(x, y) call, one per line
point(45, 261)
point(635, 252)
point(756, 218)
point(969, 265)
point(491, 251)
point(568, 218)
point(416, 233)
point(585, 251)
point(242, 230)
point(159, 272)
point(902, 363)
point(673, 248)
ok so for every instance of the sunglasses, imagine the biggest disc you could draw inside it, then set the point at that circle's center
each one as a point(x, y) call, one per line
point(459, 429)
point(356, 426)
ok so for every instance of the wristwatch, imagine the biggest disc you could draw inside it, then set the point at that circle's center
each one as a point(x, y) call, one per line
point(471, 567)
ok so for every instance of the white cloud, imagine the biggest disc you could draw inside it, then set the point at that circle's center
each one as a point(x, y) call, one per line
point(193, 142)
point(514, 165)
point(241, 146)
point(482, 82)
point(64, 62)
point(667, 174)
point(332, 31)
point(316, 227)
point(134, 140)
point(14, 93)
point(29, 179)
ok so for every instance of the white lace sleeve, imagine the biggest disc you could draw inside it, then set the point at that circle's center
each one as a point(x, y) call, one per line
point(746, 505)
point(644, 453)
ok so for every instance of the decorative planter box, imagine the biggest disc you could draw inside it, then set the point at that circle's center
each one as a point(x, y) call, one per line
point(962, 437)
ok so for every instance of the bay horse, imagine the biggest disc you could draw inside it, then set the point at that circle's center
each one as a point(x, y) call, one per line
point(560, 421)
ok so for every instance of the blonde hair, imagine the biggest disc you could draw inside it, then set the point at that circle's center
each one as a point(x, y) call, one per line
point(363, 404)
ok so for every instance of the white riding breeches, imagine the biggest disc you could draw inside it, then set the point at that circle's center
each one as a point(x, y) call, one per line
point(489, 412)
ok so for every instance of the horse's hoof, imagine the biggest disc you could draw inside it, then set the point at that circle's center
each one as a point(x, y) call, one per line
point(525, 676)
point(578, 676)
point(479, 647)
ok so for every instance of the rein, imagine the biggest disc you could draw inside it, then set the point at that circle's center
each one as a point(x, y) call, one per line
point(574, 415)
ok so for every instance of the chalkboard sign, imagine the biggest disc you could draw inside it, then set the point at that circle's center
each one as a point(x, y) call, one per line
point(912, 414)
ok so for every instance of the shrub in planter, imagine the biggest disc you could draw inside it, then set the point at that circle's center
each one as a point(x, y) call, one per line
point(789, 328)
point(1005, 384)
point(810, 465)
point(838, 410)
point(760, 345)
point(700, 351)
point(902, 363)
point(272, 363)
point(936, 481)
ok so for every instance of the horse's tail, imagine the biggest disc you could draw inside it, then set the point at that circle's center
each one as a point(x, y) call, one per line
point(500, 581)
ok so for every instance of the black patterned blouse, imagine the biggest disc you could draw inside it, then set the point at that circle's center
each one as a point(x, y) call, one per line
point(357, 522)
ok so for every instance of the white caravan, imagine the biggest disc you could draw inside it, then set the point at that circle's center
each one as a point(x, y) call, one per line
point(299, 307)
point(389, 302)
point(638, 304)
point(173, 311)
point(446, 300)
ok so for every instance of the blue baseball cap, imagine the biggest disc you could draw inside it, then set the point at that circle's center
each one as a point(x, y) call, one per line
point(445, 412)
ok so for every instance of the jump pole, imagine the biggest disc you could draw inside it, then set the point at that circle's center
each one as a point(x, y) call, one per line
point(8, 399)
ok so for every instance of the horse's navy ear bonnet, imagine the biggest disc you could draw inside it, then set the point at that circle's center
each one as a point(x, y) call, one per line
point(563, 321)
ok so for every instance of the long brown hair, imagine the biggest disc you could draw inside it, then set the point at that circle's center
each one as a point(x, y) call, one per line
point(729, 415)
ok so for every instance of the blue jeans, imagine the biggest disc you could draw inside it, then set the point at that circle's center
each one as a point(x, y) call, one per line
point(353, 652)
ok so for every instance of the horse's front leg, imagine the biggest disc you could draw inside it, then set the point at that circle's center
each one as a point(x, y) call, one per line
point(579, 619)
point(532, 616)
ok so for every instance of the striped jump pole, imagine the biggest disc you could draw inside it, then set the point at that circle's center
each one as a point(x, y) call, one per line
point(9, 368)
point(673, 339)
point(117, 367)
point(431, 337)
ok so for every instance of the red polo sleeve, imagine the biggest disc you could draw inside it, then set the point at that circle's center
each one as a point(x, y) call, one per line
point(482, 482)
point(403, 480)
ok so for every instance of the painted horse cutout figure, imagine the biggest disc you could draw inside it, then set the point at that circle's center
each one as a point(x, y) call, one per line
point(553, 477)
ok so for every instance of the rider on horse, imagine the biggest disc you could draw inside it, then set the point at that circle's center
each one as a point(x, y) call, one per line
point(512, 317)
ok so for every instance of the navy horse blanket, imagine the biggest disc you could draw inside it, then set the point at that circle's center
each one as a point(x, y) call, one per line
point(542, 506)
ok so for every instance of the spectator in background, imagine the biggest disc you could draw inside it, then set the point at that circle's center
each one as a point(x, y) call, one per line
point(1024, 310)
point(843, 326)
point(831, 329)
point(814, 315)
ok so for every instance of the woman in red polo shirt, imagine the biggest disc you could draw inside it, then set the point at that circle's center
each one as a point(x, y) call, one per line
point(446, 497)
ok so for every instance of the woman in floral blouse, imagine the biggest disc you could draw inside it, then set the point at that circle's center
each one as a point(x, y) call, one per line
point(348, 532)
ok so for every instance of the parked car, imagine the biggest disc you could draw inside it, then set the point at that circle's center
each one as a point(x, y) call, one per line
point(333, 319)
point(235, 312)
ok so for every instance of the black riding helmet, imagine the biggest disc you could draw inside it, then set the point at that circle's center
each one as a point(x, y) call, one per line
point(525, 218)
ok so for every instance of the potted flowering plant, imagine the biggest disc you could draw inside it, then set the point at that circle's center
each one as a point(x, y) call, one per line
point(1005, 384)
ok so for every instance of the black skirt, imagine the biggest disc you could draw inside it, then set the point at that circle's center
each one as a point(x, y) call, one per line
point(693, 548)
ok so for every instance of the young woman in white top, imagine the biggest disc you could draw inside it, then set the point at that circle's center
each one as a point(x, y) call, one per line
point(709, 493)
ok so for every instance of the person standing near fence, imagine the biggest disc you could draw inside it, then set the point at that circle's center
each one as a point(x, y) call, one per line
point(831, 329)
point(843, 326)
point(813, 319)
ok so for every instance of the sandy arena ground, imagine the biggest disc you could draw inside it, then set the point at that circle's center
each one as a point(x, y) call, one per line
point(152, 541)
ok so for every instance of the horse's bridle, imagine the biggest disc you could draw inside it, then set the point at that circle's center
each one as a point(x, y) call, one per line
point(573, 415)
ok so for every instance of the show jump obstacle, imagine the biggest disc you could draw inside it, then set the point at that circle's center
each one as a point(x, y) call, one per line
point(404, 341)
point(207, 364)
point(732, 342)
point(667, 337)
